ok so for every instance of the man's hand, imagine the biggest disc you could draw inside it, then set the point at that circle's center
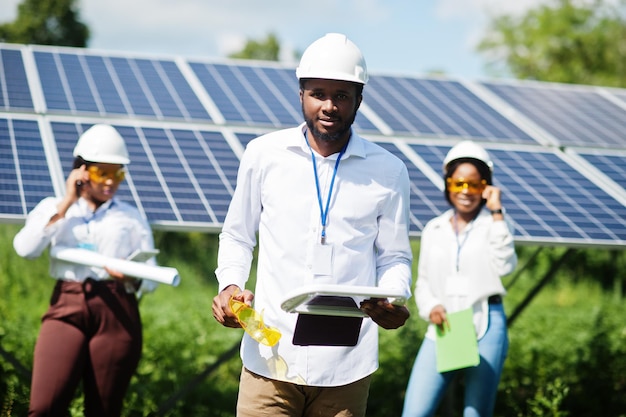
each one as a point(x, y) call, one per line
point(385, 314)
point(221, 307)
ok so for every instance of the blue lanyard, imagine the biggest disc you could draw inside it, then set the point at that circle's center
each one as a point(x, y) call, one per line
point(459, 244)
point(324, 212)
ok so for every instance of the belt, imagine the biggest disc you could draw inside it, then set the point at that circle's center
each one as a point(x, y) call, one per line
point(495, 299)
point(129, 285)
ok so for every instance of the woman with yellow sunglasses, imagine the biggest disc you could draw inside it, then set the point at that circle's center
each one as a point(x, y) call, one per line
point(463, 254)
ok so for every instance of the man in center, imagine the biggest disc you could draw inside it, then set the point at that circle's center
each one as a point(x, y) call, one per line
point(329, 207)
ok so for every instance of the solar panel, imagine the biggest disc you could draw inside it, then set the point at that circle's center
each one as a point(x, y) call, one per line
point(14, 90)
point(573, 115)
point(426, 198)
point(24, 174)
point(547, 198)
point(438, 108)
point(243, 97)
point(614, 166)
point(257, 95)
point(186, 123)
point(176, 176)
point(75, 83)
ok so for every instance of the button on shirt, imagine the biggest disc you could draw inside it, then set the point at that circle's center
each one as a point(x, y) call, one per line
point(367, 226)
point(116, 229)
point(487, 254)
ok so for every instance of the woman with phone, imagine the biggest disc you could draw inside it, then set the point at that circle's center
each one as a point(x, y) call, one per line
point(92, 329)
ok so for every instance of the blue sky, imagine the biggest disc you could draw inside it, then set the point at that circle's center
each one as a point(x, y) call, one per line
point(396, 36)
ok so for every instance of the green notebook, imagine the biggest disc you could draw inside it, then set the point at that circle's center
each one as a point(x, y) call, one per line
point(457, 346)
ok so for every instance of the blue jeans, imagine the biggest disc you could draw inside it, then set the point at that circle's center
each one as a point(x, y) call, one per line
point(427, 386)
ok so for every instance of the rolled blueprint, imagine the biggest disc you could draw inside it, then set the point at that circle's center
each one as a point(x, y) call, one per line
point(161, 274)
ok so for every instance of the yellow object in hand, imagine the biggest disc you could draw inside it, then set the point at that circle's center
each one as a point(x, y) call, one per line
point(252, 322)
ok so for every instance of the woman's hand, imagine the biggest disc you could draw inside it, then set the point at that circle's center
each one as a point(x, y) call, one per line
point(438, 317)
point(74, 183)
point(492, 195)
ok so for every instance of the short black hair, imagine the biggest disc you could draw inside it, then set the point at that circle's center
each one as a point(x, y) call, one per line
point(483, 170)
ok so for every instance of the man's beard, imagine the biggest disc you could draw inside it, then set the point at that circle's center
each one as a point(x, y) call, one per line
point(329, 137)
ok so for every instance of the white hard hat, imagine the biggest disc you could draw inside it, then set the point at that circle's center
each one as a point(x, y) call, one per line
point(467, 149)
point(333, 57)
point(102, 143)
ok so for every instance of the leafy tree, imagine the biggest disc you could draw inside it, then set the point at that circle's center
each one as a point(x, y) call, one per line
point(266, 50)
point(569, 41)
point(46, 22)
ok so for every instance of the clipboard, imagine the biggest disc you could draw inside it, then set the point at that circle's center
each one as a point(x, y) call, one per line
point(457, 346)
point(142, 255)
point(298, 301)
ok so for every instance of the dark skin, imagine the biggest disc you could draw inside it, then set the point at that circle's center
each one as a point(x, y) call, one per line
point(329, 108)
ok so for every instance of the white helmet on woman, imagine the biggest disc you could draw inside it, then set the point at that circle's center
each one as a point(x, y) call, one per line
point(467, 149)
point(102, 143)
point(333, 57)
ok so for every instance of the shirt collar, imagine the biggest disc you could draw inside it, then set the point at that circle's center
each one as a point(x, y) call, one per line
point(82, 203)
point(355, 148)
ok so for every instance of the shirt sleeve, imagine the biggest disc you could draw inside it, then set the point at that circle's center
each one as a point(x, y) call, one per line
point(503, 259)
point(424, 298)
point(238, 237)
point(147, 243)
point(394, 255)
point(35, 236)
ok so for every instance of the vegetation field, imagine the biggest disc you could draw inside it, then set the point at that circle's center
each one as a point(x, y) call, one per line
point(567, 354)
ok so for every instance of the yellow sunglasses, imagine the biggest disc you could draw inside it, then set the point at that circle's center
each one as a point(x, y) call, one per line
point(252, 322)
point(458, 185)
point(99, 176)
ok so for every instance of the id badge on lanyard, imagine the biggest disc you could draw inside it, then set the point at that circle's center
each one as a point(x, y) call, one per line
point(322, 259)
point(323, 252)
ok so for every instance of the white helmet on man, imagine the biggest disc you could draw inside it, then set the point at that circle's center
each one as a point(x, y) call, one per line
point(333, 57)
point(102, 143)
point(467, 149)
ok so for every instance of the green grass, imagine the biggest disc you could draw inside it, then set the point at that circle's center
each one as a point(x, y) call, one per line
point(567, 354)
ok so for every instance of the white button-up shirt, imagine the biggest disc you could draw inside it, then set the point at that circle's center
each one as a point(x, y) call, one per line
point(367, 227)
point(486, 254)
point(116, 229)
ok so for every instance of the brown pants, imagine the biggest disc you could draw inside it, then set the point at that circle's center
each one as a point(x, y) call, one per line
point(264, 397)
point(92, 331)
